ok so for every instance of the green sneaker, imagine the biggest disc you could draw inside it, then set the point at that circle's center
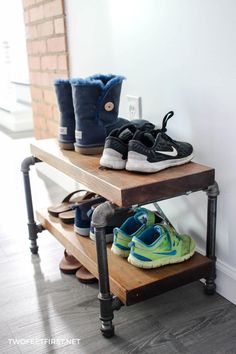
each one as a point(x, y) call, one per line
point(132, 227)
point(159, 245)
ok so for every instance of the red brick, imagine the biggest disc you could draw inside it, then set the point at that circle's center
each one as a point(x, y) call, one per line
point(45, 79)
point(44, 110)
point(55, 113)
point(38, 47)
point(49, 62)
point(29, 47)
point(34, 63)
point(27, 3)
point(49, 97)
point(31, 32)
point(26, 16)
point(52, 127)
point(40, 123)
point(62, 62)
point(33, 78)
point(59, 25)
point(53, 8)
point(56, 44)
point(36, 13)
point(36, 94)
point(45, 29)
point(34, 108)
point(57, 75)
point(40, 79)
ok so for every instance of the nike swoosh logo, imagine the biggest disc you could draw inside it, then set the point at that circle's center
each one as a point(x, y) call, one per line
point(170, 253)
point(174, 152)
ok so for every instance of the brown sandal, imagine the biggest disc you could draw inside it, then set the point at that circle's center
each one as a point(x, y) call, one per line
point(68, 201)
point(69, 264)
point(84, 276)
point(68, 217)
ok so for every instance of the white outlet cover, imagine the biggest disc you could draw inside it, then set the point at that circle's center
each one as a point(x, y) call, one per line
point(134, 107)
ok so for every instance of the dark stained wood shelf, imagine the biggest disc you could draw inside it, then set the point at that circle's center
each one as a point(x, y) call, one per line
point(124, 188)
point(129, 283)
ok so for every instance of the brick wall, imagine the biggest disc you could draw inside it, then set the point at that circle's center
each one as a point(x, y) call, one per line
point(48, 60)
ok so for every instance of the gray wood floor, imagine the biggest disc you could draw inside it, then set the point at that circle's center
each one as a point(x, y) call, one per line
point(38, 302)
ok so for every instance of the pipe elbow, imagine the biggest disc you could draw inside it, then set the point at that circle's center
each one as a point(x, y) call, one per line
point(102, 213)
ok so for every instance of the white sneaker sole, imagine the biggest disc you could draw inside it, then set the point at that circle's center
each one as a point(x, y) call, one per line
point(122, 253)
point(112, 159)
point(138, 162)
point(159, 263)
point(109, 237)
point(81, 231)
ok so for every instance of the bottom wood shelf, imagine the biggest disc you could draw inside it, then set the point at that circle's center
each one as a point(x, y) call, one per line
point(129, 283)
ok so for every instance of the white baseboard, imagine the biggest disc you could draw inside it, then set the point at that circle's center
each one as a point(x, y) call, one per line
point(225, 279)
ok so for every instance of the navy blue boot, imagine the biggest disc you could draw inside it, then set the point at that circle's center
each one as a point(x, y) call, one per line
point(96, 104)
point(67, 117)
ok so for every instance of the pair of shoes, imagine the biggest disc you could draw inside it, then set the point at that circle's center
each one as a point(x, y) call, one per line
point(88, 111)
point(143, 150)
point(70, 265)
point(133, 226)
point(149, 243)
point(64, 210)
point(83, 217)
point(116, 144)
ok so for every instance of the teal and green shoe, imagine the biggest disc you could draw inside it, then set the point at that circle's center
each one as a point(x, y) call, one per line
point(159, 245)
point(132, 227)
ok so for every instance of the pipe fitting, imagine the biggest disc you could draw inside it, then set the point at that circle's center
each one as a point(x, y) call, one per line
point(27, 162)
point(101, 214)
point(213, 190)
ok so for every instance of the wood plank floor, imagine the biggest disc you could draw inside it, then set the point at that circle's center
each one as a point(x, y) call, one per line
point(38, 302)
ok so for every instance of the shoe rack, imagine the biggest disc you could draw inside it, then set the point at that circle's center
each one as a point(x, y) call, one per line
point(120, 283)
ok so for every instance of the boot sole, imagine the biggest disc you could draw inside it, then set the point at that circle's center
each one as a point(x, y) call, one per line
point(67, 146)
point(90, 150)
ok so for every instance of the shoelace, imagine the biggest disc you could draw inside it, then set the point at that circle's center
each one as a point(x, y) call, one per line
point(165, 120)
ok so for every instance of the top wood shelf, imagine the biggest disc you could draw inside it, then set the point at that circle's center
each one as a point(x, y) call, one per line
point(124, 188)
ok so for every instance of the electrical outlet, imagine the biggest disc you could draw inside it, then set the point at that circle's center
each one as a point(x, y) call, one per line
point(134, 107)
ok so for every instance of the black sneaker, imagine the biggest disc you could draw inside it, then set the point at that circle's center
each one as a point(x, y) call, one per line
point(116, 144)
point(154, 151)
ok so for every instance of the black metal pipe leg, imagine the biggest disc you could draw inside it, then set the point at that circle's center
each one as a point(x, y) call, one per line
point(33, 228)
point(108, 303)
point(212, 193)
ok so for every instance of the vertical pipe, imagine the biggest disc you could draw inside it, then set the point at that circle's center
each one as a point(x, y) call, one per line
point(212, 193)
point(33, 228)
point(99, 221)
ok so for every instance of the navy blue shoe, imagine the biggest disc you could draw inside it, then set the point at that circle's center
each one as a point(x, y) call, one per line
point(83, 216)
point(96, 104)
point(67, 117)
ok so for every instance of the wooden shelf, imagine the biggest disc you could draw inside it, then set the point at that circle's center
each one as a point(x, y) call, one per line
point(124, 188)
point(129, 283)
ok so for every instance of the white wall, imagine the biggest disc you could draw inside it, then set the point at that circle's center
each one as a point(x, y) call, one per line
point(177, 55)
point(13, 60)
